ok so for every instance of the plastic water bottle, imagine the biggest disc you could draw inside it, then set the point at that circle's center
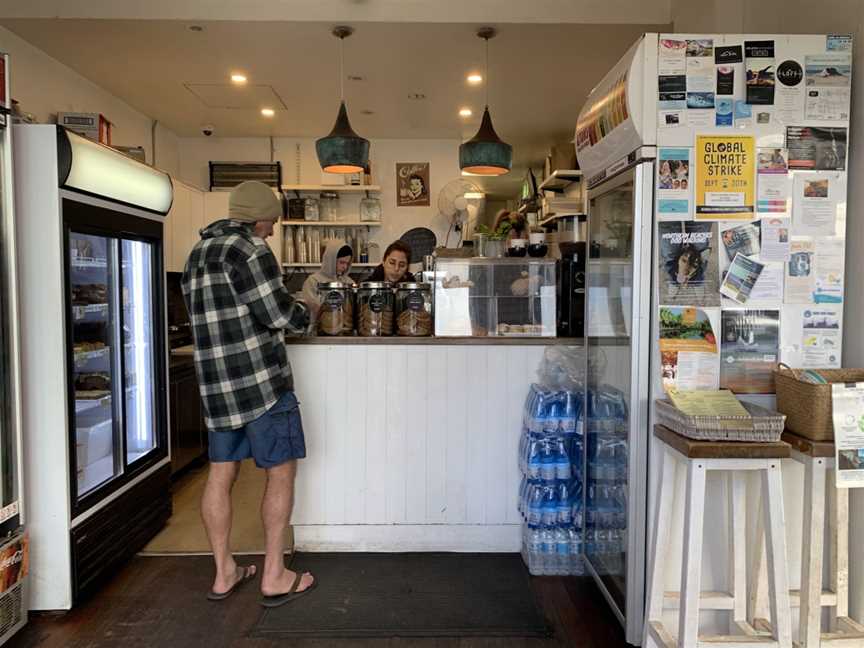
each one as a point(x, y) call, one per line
point(534, 549)
point(562, 460)
point(562, 552)
point(549, 514)
point(575, 565)
point(547, 553)
point(565, 505)
point(535, 504)
point(535, 458)
point(548, 460)
point(523, 494)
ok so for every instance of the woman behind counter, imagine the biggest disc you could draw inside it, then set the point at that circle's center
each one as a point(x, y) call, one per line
point(335, 264)
point(394, 269)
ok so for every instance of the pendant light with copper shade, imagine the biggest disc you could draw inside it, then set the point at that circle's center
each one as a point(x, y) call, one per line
point(485, 153)
point(343, 150)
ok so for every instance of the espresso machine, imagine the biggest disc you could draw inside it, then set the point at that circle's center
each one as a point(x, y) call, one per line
point(571, 289)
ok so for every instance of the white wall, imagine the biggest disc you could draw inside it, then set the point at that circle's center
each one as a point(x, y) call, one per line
point(44, 86)
point(300, 166)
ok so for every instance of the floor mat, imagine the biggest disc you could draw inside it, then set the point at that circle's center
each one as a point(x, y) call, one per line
point(409, 595)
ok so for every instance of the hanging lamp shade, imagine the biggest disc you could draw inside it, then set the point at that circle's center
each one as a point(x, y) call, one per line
point(485, 153)
point(343, 150)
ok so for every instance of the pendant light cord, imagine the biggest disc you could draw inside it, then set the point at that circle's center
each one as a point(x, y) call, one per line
point(487, 72)
point(342, 68)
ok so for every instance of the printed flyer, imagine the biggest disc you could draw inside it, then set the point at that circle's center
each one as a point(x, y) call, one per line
point(741, 238)
point(821, 338)
point(769, 285)
point(800, 274)
point(700, 82)
point(749, 350)
point(728, 59)
point(828, 78)
point(847, 408)
point(725, 177)
point(673, 183)
point(775, 239)
point(816, 149)
point(672, 106)
point(689, 356)
point(740, 278)
point(774, 185)
point(828, 282)
point(790, 92)
point(671, 59)
point(759, 56)
point(815, 204)
point(688, 269)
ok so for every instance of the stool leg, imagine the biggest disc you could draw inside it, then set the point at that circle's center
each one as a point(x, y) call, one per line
point(691, 567)
point(775, 536)
point(737, 548)
point(659, 541)
point(758, 603)
point(811, 555)
point(839, 525)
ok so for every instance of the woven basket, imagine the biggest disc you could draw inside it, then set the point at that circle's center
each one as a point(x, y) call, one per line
point(807, 406)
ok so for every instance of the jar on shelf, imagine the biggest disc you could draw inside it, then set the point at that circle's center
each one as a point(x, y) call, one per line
point(328, 206)
point(375, 309)
point(336, 314)
point(297, 208)
point(311, 211)
point(370, 210)
point(414, 309)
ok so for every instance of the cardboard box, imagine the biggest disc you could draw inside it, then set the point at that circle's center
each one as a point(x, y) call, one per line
point(93, 126)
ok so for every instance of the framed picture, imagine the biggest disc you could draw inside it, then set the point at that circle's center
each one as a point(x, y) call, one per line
point(412, 184)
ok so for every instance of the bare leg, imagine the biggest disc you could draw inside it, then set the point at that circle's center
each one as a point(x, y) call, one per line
point(276, 510)
point(216, 513)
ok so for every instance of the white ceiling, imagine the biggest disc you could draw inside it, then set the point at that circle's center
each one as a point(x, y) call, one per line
point(539, 75)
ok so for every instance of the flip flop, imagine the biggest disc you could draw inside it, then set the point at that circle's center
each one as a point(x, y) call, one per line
point(281, 599)
point(247, 573)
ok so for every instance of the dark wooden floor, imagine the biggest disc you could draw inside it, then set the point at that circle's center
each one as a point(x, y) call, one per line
point(159, 601)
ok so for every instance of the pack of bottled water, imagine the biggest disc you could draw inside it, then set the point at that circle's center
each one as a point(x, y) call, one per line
point(551, 453)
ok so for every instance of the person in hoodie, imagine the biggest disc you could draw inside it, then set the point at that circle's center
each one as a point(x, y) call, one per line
point(335, 265)
point(239, 311)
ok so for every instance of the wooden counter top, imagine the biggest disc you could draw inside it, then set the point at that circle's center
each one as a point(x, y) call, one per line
point(436, 341)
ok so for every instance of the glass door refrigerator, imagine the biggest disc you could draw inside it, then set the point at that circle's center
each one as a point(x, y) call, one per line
point(94, 331)
point(13, 538)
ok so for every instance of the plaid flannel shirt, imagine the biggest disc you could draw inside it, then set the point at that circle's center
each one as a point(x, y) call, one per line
point(238, 308)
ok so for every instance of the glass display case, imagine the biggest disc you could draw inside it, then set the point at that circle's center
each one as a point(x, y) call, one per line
point(495, 297)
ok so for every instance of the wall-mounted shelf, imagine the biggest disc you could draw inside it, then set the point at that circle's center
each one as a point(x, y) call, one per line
point(333, 223)
point(318, 265)
point(339, 188)
point(555, 217)
point(560, 179)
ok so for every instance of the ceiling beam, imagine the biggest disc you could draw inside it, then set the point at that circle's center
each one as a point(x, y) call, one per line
point(442, 11)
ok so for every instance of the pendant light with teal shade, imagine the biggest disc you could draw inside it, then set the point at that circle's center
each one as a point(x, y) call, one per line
point(485, 153)
point(343, 150)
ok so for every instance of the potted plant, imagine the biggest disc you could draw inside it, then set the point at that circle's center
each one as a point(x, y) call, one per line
point(495, 245)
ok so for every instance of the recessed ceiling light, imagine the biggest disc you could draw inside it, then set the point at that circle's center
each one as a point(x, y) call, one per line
point(238, 78)
point(465, 112)
point(268, 112)
point(354, 77)
point(366, 111)
point(196, 28)
point(417, 96)
point(475, 78)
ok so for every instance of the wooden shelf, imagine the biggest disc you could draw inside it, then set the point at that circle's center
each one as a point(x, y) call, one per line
point(546, 221)
point(318, 265)
point(559, 180)
point(339, 188)
point(333, 223)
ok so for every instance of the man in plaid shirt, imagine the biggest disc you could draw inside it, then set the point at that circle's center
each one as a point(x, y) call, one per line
point(239, 310)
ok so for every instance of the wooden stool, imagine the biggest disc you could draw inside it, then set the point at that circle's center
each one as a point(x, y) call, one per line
point(732, 458)
point(818, 460)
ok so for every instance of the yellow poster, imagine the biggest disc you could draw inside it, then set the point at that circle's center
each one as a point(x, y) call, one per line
point(725, 177)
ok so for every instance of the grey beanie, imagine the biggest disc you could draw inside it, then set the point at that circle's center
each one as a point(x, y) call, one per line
point(253, 201)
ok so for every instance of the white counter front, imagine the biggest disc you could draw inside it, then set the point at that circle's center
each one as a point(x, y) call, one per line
point(410, 447)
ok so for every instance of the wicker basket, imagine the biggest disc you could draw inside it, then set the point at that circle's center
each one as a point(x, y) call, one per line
point(807, 406)
point(767, 426)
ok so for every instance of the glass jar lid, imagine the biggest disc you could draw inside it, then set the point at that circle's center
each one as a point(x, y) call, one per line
point(331, 285)
point(407, 285)
point(379, 285)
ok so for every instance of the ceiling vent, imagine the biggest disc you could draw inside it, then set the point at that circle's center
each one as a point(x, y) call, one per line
point(227, 175)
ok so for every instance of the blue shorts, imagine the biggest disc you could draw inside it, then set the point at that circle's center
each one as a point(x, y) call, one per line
point(274, 438)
